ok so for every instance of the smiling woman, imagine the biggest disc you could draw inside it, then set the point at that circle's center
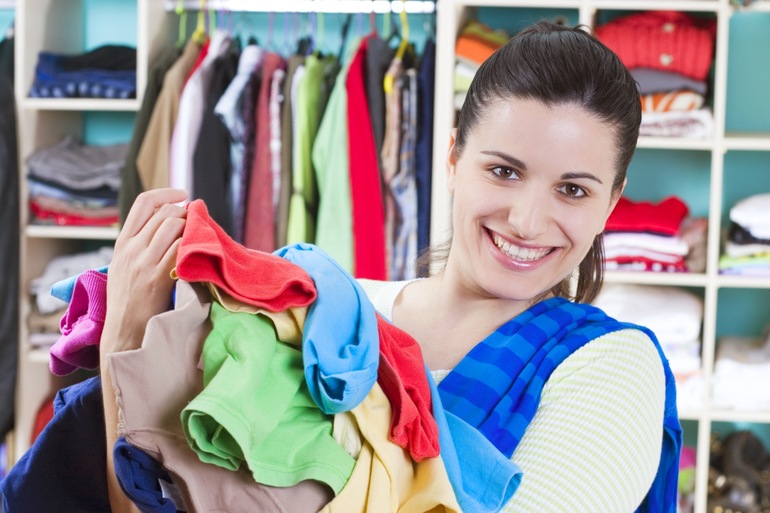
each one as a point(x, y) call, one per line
point(583, 405)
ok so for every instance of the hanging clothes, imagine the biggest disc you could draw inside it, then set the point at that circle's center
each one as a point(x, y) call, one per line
point(259, 232)
point(131, 185)
point(368, 214)
point(152, 161)
point(9, 240)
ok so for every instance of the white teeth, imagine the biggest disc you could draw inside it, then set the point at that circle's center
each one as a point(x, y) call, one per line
point(517, 253)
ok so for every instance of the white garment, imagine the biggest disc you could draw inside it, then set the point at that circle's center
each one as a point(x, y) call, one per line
point(63, 267)
point(649, 241)
point(673, 314)
point(753, 214)
point(691, 124)
point(742, 374)
point(188, 122)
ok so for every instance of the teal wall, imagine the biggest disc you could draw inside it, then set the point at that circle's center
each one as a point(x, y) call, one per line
point(6, 18)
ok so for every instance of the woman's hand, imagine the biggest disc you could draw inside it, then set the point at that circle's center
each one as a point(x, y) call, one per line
point(139, 285)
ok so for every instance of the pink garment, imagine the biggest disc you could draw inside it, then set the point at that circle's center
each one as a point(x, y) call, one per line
point(81, 326)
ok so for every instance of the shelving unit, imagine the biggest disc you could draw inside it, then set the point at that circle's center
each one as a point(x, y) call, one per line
point(709, 153)
point(58, 24)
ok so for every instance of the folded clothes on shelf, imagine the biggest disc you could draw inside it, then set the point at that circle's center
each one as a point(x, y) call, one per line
point(108, 71)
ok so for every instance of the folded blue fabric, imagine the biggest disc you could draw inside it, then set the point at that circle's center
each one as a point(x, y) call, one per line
point(340, 342)
point(139, 476)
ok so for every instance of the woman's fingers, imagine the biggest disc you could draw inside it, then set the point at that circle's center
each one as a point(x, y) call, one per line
point(146, 205)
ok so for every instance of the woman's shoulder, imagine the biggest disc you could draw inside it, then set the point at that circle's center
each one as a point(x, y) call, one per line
point(383, 294)
point(629, 352)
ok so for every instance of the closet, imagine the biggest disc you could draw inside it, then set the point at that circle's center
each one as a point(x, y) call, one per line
point(150, 26)
point(710, 173)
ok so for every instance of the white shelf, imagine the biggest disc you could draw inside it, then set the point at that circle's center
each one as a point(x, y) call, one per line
point(675, 143)
point(72, 232)
point(743, 282)
point(80, 104)
point(740, 416)
point(7, 4)
point(655, 278)
point(745, 141)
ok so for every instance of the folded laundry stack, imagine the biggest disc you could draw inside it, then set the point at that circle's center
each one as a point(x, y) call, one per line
point(741, 377)
point(108, 71)
point(675, 316)
point(747, 249)
point(669, 54)
point(644, 236)
point(73, 184)
point(474, 45)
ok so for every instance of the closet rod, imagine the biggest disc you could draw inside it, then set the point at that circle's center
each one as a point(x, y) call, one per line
point(326, 6)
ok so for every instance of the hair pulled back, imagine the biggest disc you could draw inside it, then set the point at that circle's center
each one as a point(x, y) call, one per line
point(558, 65)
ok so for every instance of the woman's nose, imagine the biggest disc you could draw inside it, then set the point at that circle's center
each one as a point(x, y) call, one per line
point(528, 215)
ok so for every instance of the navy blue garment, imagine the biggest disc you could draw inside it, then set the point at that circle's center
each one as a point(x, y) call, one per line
point(424, 148)
point(138, 474)
point(9, 239)
point(64, 470)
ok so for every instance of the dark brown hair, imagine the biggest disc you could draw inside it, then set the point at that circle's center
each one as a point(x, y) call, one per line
point(558, 65)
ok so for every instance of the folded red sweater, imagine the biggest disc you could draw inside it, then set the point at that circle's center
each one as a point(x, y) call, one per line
point(663, 218)
point(207, 254)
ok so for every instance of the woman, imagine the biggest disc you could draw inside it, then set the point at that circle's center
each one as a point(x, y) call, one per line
point(536, 164)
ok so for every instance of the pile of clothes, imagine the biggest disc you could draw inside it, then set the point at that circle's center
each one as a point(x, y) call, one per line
point(747, 249)
point(669, 54)
point(647, 236)
point(108, 71)
point(73, 184)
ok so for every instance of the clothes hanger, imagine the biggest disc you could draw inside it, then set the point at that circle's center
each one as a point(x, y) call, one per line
point(388, 82)
point(200, 35)
point(182, 23)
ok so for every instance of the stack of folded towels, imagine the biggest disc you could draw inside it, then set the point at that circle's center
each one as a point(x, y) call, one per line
point(742, 374)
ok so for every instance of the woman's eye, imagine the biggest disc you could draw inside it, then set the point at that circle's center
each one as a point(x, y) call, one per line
point(572, 190)
point(503, 172)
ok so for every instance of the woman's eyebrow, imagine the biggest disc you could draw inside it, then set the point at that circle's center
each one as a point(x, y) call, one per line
point(513, 161)
point(580, 174)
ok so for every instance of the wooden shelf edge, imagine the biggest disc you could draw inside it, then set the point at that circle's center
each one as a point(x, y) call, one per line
point(72, 232)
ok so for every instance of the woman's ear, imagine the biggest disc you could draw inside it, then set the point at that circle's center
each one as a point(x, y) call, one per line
point(451, 161)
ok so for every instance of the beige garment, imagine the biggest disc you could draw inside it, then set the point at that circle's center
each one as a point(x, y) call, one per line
point(385, 478)
point(152, 161)
point(391, 151)
point(152, 386)
point(288, 324)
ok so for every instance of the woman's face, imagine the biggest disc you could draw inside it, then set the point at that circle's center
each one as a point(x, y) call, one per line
point(532, 188)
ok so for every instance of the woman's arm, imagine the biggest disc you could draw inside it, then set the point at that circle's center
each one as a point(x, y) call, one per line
point(138, 287)
point(595, 441)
